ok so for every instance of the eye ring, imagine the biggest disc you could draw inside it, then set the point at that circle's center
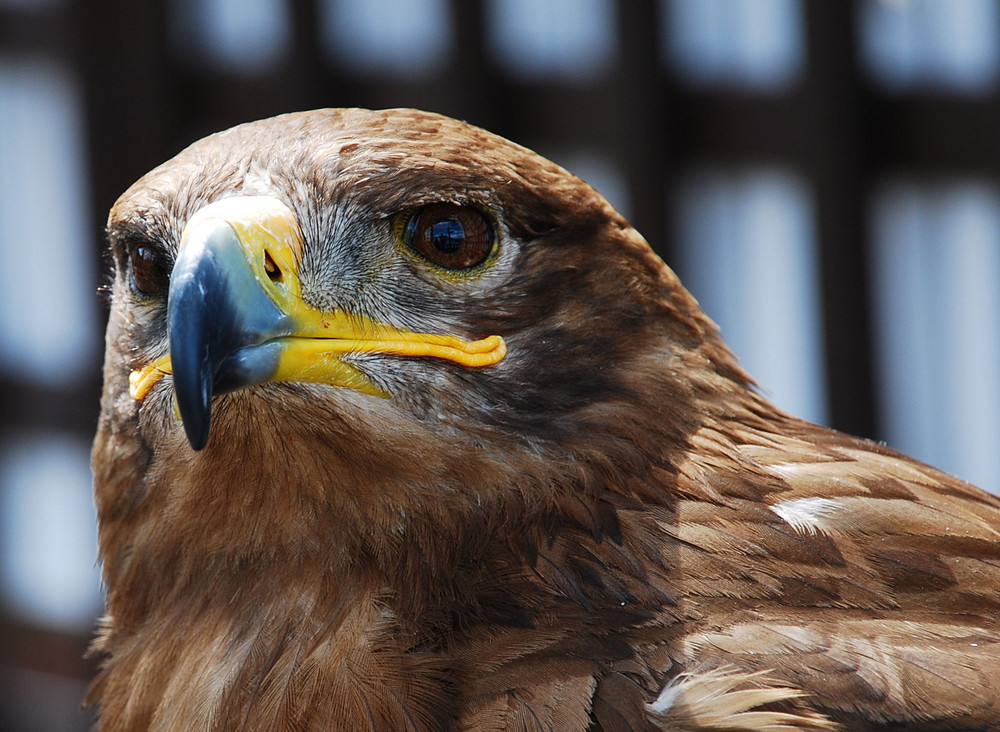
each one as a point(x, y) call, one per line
point(450, 235)
point(147, 273)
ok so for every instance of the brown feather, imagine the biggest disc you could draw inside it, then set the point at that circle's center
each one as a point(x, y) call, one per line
point(607, 530)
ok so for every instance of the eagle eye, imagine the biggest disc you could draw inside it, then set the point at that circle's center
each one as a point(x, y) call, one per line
point(451, 236)
point(147, 273)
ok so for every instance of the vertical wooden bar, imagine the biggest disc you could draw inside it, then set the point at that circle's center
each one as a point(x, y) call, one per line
point(839, 167)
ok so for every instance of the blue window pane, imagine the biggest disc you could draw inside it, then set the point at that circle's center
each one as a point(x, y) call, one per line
point(403, 37)
point(48, 533)
point(238, 35)
point(753, 43)
point(566, 39)
point(948, 44)
point(48, 307)
point(936, 271)
point(747, 251)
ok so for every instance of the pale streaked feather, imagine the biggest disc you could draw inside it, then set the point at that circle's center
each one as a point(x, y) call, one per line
point(806, 515)
point(713, 700)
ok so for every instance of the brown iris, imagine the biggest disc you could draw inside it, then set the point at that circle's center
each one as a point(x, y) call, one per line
point(147, 273)
point(451, 236)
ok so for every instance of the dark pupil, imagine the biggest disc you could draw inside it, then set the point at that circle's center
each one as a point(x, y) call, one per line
point(448, 235)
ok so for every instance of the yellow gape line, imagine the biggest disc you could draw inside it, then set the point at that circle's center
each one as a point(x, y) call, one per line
point(299, 353)
point(485, 352)
point(142, 380)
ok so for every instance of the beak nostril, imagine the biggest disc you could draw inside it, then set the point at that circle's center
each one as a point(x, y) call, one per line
point(273, 273)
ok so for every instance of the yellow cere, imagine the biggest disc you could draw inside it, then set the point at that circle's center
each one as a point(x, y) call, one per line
point(257, 220)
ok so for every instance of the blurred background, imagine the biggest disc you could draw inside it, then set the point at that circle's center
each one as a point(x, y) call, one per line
point(823, 176)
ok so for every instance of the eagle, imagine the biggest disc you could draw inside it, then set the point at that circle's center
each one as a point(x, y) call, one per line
point(404, 427)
